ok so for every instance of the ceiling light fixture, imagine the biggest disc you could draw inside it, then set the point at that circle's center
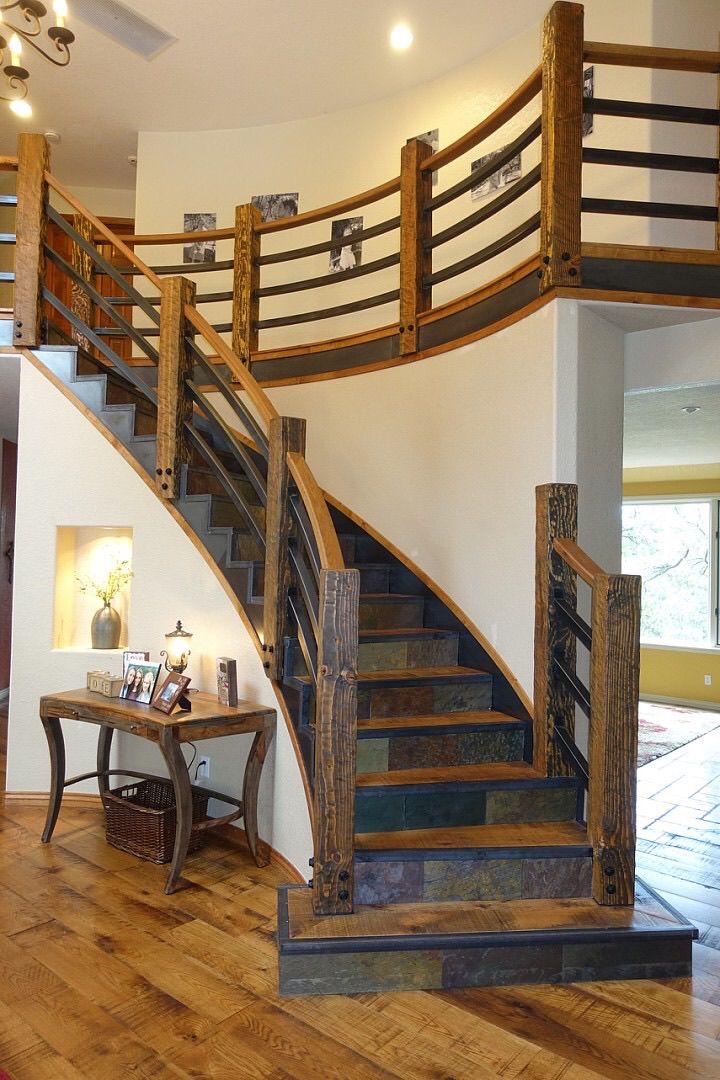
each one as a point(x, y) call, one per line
point(401, 37)
point(690, 409)
point(30, 14)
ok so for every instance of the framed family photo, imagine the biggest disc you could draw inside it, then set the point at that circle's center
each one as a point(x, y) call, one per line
point(172, 693)
point(139, 679)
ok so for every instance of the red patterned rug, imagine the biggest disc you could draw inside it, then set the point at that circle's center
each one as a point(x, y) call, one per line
point(667, 727)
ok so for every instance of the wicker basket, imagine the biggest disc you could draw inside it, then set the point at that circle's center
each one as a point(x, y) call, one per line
point(140, 818)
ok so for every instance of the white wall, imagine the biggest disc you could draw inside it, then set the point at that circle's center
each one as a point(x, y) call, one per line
point(68, 474)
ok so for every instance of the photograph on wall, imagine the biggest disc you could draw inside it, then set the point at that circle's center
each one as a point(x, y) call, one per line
point(348, 254)
point(273, 207)
point(505, 175)
point(588, 92)
point(139, 682)
point(432, 138)
point(201, 251)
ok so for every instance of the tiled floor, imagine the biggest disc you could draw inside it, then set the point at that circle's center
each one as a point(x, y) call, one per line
point(678, 849)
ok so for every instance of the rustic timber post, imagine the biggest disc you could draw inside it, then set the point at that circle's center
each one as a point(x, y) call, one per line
point(556, 517)
point(561, 164)
point(335, 742)
point(174, 367)
point(285, 433)
point(415, 228)
point(246, 281)
point(30, 229)
point(83, 265)
point(612, 744)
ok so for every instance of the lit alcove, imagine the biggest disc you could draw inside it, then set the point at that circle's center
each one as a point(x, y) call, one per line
point(87, 552)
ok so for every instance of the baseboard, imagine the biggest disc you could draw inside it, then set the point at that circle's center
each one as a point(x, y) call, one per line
point(684, 703)
point(79, 800)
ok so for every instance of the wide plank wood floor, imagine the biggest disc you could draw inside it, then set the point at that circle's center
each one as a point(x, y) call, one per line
point(104, 977)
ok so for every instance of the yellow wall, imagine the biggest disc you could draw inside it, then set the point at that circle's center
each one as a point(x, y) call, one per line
point(677, 673)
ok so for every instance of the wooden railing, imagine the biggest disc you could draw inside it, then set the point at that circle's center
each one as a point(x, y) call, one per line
point(218, 411)
point(610, 702)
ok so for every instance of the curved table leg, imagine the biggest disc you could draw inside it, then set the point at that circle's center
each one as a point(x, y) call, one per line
point(103, 756)
point(177, 769)
point(251, 784)
point(56, 744)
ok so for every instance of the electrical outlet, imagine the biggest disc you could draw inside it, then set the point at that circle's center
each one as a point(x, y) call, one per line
point(708, 680)
point(203, 769)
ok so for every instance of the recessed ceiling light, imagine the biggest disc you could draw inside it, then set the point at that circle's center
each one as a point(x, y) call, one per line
point(21, 108)
point(401, 37)
point(690, 409)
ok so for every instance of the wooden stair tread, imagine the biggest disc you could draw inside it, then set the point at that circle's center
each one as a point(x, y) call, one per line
point(414, 631)
point(450, 774)
point(526, 834)
point(415, 674)
point(475, 917)
point(433, 720)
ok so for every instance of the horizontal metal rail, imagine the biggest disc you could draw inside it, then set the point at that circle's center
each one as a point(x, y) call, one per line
point(511, 193)
point(8, 200)
point(507, 241)
point(331, 312)
point(647, 110)
point(8, 238)
point(200, 298)
point(327, 245)
point(635, 208)
point(329, 278)
point(635, 159)
point(181, 268)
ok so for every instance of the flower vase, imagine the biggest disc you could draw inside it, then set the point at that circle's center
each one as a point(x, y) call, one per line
point(105, 628)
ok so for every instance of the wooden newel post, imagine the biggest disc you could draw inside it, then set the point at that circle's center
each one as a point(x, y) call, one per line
point(30, 229)
point(415, 228)
point(174, 367)
point(561, 164)
point(612, 746)
point(335, 740)
point(556, 510)
point(246, 281)
point(286, 433)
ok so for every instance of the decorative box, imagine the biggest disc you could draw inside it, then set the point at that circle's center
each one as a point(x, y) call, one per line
point(226, 671)
point(102, 682)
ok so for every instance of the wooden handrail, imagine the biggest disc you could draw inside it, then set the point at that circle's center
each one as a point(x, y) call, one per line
point(239, 373)
point(322, 213)
point(600, 52)
point(181, 237)
point(8, 163)
point(97, 224)
point(578, 561)
point(323, 529)
point(504, 112)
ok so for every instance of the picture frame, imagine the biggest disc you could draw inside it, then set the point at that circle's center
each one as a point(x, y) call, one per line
point(131, 656)
point(172, 693)
point(226, 672)
point(139, 680)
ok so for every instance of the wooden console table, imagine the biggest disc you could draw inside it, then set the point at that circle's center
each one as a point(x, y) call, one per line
point(208, 720)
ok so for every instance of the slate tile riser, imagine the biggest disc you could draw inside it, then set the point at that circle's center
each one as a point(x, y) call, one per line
point(223, 513)
point(430, 878)
point(397, 809)
point(414, 653)
point(423, 700)
point(502, 965)
point(397, 613)
point(388, 753)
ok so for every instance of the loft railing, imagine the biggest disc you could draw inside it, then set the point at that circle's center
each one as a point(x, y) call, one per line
point(255, 456)
point(610, 701)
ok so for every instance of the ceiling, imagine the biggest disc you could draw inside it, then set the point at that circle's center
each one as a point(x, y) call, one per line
point(239, 63)
point(658, 432)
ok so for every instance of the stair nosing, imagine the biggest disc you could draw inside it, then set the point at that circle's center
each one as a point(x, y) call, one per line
point(447, 722)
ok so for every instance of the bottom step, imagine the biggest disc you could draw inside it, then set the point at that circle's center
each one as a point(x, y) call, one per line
point(485, 943)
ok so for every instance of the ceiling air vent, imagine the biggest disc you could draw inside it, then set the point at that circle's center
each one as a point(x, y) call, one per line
point(118, 22)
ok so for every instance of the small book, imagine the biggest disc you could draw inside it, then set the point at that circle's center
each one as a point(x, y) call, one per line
point(226, 670)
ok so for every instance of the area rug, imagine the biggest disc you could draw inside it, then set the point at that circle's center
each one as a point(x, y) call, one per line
point(667, 727)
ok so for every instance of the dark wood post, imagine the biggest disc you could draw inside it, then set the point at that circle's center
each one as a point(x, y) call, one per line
point(285, 433)
point(30, 229)
point(612, 748)
point(174, 367)
point(335, 742)
point(246, 281)
point(82, 264)
point(561, 165)
point(415, 227)
point(556, 517)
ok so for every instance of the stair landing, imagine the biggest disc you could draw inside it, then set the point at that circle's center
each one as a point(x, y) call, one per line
point(477, 943)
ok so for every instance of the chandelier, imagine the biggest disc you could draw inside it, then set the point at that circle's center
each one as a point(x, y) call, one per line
point(52, 42)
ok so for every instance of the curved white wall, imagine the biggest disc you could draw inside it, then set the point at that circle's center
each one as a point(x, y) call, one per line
point(68, 474)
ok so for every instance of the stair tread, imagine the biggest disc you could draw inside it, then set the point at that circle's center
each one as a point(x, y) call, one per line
point(477, 917)
point(433, 720)
point(527, 834)
point(449, 671)
point(414, 631)
point(387, 596)
point(450, 774)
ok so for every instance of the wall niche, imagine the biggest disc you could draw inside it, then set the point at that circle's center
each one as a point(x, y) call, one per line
point(87, 551)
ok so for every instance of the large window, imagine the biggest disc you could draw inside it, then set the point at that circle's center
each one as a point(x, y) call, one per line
point(673, 546)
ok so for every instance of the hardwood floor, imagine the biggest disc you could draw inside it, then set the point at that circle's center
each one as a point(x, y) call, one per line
point(103, 976)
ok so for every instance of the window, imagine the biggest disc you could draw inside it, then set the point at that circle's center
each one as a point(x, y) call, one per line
point(673, 545)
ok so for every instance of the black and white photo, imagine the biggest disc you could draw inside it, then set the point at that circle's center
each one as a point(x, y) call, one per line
point(273, 207)
point(588, 92)
point(506, 174)
point(348, 254)
point(200, 251)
